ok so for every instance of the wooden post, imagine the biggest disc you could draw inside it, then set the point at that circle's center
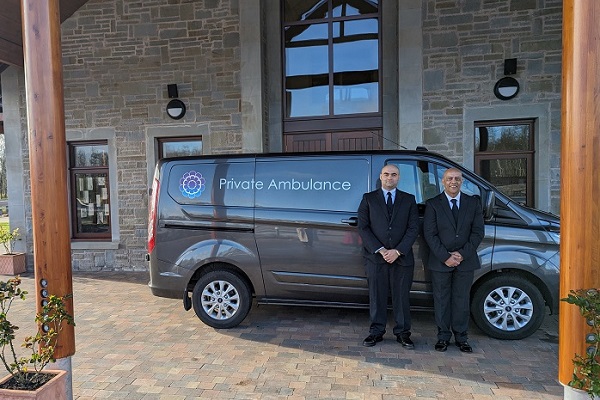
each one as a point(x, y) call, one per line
point(580, 163)
point(47, 151)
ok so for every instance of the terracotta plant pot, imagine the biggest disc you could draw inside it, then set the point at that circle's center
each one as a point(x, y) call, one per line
point(54, 389)
point(12, 264)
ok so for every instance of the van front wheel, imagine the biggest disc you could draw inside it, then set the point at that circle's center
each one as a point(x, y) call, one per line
point(221, 299)
point(508, 307)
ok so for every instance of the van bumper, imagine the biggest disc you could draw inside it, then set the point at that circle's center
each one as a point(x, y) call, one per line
point(160, 292)
point(165, 279)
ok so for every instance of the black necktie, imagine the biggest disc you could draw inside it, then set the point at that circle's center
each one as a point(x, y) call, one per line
point(390, 205)
point(454, 210)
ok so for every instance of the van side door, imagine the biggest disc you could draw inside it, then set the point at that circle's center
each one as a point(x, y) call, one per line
point(305, 227)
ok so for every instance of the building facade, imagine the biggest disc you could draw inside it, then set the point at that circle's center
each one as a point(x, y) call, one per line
point(270, 76)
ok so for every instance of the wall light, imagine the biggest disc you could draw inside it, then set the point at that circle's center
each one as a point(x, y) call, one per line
point(175, 107)
point(506, 88)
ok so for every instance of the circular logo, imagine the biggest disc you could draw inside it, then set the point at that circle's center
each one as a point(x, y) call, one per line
point(192, 184)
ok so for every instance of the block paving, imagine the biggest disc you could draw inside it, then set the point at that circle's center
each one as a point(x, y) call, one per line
point(131, 344)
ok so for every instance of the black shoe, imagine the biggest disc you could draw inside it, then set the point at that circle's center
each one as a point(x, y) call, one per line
point(442, 345)
point(464, 347)
point(405, 342)
point(371, 340)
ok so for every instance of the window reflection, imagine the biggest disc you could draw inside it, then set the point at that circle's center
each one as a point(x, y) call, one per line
point(502, 138)
point(182, 149)
point(508, 175)
point(91, 156)
point(331, 75)
point(356, 88)
point(504, 155)
point(179, 146)
point(349, 8)
point(303, 10)
point(306, 70)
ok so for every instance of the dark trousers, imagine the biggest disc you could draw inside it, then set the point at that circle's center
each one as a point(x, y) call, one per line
point(451, 295)
point(384, 279)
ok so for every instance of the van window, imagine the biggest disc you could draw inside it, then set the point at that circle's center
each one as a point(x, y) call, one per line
point(229, 183)
point(424, 179)
point(312, 184)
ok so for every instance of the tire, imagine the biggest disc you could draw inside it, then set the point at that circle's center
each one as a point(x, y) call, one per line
point(221, 299)
point(508, 307)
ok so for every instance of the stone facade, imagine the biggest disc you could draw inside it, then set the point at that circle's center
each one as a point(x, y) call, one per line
point(224, 55)
point(465, 44)
point(118, 58)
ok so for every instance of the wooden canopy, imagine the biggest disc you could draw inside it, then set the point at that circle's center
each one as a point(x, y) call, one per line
point(11, 38)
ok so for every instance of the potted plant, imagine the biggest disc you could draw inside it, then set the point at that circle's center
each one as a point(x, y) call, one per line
point(586, 372)
point(26, 373)
point(11, 263)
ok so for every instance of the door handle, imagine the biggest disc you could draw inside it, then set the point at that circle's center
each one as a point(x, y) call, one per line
point(353, 221)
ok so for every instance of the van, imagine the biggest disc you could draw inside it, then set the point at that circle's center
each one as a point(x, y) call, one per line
point(282, 229)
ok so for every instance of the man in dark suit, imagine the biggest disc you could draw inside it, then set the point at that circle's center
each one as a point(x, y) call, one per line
point(453, 228)
point(388, 224)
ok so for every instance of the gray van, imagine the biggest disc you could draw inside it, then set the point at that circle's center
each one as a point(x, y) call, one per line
point(281, 228)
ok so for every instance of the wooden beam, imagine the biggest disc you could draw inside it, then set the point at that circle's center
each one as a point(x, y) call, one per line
point(580, 161)
point(47, 155)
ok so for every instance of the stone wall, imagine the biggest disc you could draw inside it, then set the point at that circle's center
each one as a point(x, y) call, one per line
point(118, 58)
point(465, 44)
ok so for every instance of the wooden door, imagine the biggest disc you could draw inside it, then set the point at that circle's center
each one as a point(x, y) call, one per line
point(333, 141)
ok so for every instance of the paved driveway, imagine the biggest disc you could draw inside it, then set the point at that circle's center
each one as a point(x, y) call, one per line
point(133, 345)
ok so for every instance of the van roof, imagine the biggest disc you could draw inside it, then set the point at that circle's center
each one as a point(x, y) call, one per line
point(418, 151)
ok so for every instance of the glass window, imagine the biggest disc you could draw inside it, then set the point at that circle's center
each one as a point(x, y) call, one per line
point(306, 72)
point(504, 156)
point(90, 194)
point(356, 79)
point(303, 10)
point(323, 74)
point(313, 184)
point(179, 147)
point(424, 180)
point(207, 183)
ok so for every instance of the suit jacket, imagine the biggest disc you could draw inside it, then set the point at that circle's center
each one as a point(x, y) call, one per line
point(443, 235)
point(378, 230)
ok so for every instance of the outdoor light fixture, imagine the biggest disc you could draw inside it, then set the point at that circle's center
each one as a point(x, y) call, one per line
point(506, 88)
point(175, 107)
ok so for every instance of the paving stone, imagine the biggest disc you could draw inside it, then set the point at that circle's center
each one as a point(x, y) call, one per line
point(130, 344)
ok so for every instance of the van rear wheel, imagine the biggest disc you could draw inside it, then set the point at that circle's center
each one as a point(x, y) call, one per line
point(221, 299)
point(508, 307)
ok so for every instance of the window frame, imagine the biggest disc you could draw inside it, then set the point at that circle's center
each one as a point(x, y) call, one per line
point(162, 140)
point(331, 121)
point(527, 154)
point(73, 172)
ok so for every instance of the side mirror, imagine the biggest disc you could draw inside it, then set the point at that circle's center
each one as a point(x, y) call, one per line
point(488, 207)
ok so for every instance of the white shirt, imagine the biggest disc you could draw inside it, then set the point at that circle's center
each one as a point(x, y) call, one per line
point(457, 198)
